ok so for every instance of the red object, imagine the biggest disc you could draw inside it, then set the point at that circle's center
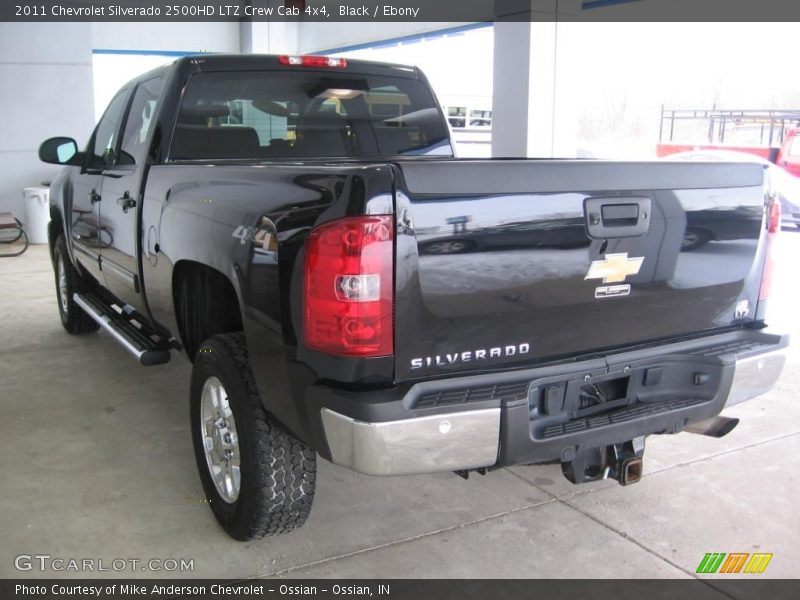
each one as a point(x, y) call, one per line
point(774, 219)
point(665, 149)
point(789, 154)
point(349, 287)
point(773, 227)
point(312, 61)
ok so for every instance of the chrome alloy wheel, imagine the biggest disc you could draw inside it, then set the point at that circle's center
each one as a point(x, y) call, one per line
point(218, 430)
point(61, 280)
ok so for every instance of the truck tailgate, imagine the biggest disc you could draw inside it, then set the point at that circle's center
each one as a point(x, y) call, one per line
point(512, 262)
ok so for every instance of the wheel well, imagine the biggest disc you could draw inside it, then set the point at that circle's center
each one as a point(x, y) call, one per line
point(205, 304)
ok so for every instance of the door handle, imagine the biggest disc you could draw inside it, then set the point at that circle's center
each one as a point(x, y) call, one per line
point(126, 202)
point(617, 217)
point(94, 197)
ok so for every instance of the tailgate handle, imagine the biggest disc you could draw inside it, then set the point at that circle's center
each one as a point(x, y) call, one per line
point(617, 217)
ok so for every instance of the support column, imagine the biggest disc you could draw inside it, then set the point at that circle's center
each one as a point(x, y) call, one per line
point(523, 104)
point(268, 37)
point(534, 86)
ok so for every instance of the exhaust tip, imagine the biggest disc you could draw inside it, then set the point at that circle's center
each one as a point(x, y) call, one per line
point(631, 471)
point(716, 427)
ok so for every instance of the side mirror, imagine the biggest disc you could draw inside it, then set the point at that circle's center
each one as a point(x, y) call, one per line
point(59, 151)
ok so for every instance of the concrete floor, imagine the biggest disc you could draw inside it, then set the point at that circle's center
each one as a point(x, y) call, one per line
point(98, 464)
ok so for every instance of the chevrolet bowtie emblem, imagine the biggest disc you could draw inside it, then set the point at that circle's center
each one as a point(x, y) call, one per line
point(614, 267)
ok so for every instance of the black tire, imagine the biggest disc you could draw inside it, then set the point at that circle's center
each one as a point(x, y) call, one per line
point(694, 239)
point(73, 318)
point(277, 471)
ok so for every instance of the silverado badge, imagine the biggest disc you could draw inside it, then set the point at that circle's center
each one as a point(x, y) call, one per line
point(614, 268)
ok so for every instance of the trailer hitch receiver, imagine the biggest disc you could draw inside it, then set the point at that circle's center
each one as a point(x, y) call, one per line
point(622, 462)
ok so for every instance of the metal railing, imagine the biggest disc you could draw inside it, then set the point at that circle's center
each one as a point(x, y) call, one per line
point(772, 124)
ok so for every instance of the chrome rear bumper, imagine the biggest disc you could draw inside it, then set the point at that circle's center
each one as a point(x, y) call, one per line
point(470, 439)
point(755, 375)
point(462, 440)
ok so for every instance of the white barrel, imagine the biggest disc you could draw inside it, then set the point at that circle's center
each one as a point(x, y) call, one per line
point(37, 213)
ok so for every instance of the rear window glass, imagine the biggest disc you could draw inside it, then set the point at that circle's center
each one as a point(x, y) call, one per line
point(279, 114)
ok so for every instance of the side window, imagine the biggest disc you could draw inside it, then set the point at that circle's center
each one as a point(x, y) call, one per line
point(105, 137)
point(141, 120)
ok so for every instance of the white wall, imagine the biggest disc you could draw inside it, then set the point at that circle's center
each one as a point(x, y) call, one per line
point(140, 44)
point(46, 83)
point(183, 37)
point(316, 37)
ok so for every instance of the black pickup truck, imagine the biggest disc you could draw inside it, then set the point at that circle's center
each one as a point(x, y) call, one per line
point(275, 219)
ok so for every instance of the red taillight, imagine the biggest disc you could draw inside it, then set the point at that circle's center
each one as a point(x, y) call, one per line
point(349, 287)
point(774, 219)
point(773, 227)
point(312, 61)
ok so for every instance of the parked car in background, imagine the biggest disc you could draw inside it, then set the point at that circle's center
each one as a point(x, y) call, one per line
point(784, 185)
point(789, 157)
point(554, 233)
point(769, 134)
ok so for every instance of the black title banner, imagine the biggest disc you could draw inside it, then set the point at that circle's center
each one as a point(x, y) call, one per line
point(398, 10)
point(394, 589)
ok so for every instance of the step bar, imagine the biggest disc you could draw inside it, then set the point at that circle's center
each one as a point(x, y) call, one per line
point(134, 339)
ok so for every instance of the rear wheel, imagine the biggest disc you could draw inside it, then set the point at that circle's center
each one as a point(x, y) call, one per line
point(258, 478)
point(694, 238)
point(69, 281)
